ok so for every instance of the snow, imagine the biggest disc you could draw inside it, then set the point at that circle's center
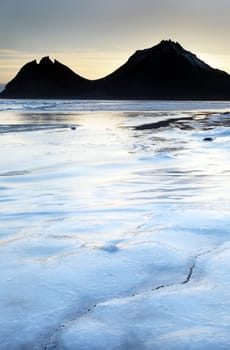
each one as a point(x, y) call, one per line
point(196, 62)
point(112, 237)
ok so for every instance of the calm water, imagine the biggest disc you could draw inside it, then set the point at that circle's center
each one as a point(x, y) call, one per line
point(97, 212)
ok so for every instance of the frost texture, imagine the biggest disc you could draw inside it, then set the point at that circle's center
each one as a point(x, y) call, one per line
point(114, 236)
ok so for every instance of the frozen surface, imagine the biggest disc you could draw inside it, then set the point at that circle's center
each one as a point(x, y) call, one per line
point(115, 225)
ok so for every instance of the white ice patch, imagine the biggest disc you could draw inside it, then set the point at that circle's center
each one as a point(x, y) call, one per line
point(111, 237)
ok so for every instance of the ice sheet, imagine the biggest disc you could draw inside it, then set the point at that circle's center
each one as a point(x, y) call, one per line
point(113, 237)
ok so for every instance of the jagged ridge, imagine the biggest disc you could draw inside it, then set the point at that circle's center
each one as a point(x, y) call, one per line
point(46, 79)
point(164, 71)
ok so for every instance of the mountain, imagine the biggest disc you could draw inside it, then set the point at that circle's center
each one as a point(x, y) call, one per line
point(164, 71)
point(46, 79)
point(2, 86)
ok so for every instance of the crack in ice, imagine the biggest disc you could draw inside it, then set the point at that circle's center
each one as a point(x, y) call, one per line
point(190, 272)
point(51, 341)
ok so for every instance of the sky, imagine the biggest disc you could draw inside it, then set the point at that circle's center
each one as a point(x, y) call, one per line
point(94, 37)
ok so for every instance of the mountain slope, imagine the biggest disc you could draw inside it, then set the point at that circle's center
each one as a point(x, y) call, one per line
point(164, 71)
point(46, 79)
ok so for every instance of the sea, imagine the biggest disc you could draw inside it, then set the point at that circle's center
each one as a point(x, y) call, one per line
point(114, 225)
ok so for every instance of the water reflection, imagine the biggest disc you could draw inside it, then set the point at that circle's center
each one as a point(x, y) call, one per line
point(114, 169)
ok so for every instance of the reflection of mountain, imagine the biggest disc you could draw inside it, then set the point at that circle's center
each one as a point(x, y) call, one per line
point(165, 71)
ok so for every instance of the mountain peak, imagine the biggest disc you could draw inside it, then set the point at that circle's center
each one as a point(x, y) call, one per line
point(170, 46)
point(45, 60)
point(164, 71)
point(170, 43)
point(164, 47)
point(168, 50)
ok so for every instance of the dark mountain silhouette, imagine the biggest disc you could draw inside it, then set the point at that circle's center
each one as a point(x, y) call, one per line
point(165, 71)
point(46, 79)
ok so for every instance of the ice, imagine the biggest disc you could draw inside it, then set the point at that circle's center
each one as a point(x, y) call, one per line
point(112, 236)
point(66, 106)
point(186, 316)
